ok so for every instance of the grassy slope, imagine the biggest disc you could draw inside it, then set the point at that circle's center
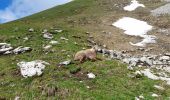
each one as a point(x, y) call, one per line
point(112, 81)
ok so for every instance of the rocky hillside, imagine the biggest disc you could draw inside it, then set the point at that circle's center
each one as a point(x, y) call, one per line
point(131, 39)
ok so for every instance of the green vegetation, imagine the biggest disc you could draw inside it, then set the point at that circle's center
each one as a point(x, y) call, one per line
point(111, 83)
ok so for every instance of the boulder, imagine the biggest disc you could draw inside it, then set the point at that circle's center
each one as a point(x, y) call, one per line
point(29, 69)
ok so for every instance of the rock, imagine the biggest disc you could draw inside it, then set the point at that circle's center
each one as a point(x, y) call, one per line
point(105, 46)
point(88, 87)
point(141, 97)
point(45, 31)
point(91, 75)
point(134, 61)
point(17, 98)
point(87, 32)
point(21, 50)
point(63, 38)
point(25, 38)
point(146, 61)
point(136, 98)
point(164, 58)
point(150, 75)
point(167, 54)
point(8, 52)
point(155, 95)
point(126, 60)
point(31, 30)
point(47, 47)
point(29, 69)
point(4, 50)
point(159, 87)
point(166, 68)
point(48, 35)
point(54, 42)
point(4, 47)
point(58, 31)
point(138, 74)
point(4, 44)
point(129, 67)
point(141, 49)
point(65, 63)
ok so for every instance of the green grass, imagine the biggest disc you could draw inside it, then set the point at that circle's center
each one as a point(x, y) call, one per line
point(111, 82)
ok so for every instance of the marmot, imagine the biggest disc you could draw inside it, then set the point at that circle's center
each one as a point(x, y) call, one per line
point(85, 55)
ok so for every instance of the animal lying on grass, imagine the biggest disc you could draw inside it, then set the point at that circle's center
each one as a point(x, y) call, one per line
point(88, 54)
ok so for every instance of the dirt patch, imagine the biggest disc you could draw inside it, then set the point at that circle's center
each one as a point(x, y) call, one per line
point(105, 34)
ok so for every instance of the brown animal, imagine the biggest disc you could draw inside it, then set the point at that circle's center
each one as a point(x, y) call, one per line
point(85, 55)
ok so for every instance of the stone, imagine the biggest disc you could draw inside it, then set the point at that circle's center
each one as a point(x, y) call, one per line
point(48, 35)
point(165, 58)
point(54, 42)
point(25, 38)
point(154, 95)
point(146, 61)
point(159, 87)
point(45, 31)
point(138, 74)
point(91, 75)
point(21, 50)
point(58, 31)
point(167, 54)
point(63, 38)
point(31, 30)
point(47, 47)
point(65, 62)
point(17, 98)
point(29, 69)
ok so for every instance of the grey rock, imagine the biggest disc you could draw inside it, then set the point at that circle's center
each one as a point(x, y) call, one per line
point(65, 62)
point(21, 50)
point(31, 30)
point(164, 58)
point(48, 35)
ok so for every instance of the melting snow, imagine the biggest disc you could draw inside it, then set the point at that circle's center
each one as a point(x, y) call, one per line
point(134, 4)
point(136, 27)
point(29, 69)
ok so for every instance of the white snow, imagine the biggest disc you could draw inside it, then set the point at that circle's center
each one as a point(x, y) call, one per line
point(91, 75)
point(136, 27)
point(29, 69)
point(134, 4)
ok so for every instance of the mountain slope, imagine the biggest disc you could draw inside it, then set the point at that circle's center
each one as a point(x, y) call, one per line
point(75, 19)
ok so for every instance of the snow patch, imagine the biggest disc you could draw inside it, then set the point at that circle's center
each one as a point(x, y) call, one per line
point(134, 4)
point(29, 69)
point(136, 27)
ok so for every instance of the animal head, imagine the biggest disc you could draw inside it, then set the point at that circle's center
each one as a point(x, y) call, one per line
point(96, 48)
